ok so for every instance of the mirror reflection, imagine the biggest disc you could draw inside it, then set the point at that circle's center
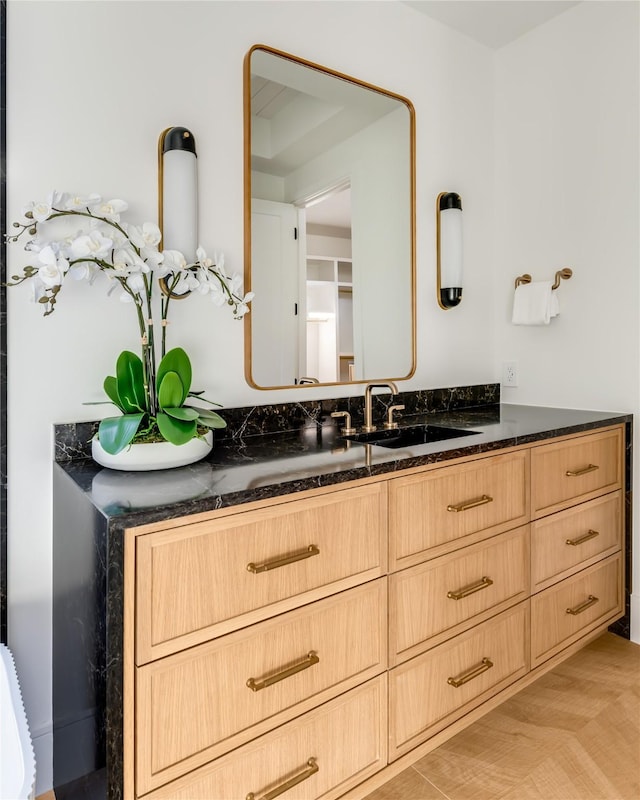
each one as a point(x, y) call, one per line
point(329, 226)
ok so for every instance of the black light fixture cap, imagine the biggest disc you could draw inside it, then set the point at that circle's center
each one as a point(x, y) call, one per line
point(450, 200)
point(179, 139)
point(450, 297)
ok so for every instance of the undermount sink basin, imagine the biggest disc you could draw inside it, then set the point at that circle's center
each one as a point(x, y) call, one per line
point(406, 437)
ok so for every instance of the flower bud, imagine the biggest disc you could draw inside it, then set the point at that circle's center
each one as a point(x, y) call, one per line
point(29, 214)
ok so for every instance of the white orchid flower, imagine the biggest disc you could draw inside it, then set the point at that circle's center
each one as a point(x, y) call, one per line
point(91, 245)
point(84, 271)
point(79, 202)
point(182, 286)
point(192, 281)
point(124, 262)
point(140, 265)
point(52, 269)
point(119, 239)
point(111, 209)
point(235, 284)
point(160, 270)
point(151, 234)
point(219, 257)
point(136, 283)
point(55, 199)
point(41, 211)
point(146, 236)
point(174, 260)
point(94, 201)
point(218, 297)
point(152, 256)
point(202, 274)
point(241, 310)
point(203, 259)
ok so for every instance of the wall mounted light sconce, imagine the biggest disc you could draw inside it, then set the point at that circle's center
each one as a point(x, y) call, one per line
point(178, 191)
point(449, 249)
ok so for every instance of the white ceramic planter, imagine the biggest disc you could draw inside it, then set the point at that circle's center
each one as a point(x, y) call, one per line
point(154, 455)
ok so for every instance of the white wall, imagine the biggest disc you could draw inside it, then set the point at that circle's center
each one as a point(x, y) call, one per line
point(567, 194)
point(90, 87)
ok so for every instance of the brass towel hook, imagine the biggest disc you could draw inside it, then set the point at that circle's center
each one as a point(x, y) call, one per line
point(561, 274)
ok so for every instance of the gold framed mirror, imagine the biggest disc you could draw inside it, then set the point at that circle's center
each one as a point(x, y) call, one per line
point(329, 226)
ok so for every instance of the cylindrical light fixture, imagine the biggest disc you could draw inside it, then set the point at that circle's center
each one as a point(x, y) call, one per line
point(449, 249)
point(178, 192)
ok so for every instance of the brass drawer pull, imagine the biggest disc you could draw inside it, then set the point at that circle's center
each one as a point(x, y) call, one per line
point(575, 473)
point(312, 550)
point(311, 769)
point(589, 535)
point(590, 601)
point(483, 666)
point(255, 684)
point(471, 503)
point(483, 583)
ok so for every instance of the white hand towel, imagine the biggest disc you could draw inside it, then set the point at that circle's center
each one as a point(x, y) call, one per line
point(534, 303)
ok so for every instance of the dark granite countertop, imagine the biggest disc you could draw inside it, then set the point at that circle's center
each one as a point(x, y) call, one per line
point(265, 466)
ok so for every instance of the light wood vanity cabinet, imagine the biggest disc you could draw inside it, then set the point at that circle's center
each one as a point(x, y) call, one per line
point(433, 512)
point(207, 578)
point(260, 647)
point(315, 645)
point(429, 692)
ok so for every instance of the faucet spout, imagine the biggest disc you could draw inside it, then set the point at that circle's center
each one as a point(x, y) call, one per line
point(368, 426)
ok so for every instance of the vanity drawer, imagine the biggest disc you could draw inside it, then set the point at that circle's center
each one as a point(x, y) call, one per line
point(429, 692)
point(440, 598)
point(208, 578)
point(576, 469)
point(570, 540)
point(434, 512)
point(565, 612)
point(197, 705)
point(345, 739)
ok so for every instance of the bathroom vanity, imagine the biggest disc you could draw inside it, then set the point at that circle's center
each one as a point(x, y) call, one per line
point(305, 616)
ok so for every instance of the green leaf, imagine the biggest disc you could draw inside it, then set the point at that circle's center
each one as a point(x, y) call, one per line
point(208, 418)
point(115, 433)
point(170, 391)
point(110, 386)
point(184, 413)
point(204, 399)
point(176, 360)
point(174, 430)
point(130, 382)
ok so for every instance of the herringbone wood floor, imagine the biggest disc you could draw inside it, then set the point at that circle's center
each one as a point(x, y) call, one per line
point(574, 734)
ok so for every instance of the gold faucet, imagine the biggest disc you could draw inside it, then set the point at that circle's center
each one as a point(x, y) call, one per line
point(368, 426)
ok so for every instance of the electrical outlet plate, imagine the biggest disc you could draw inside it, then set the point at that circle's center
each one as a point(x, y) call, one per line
point(510, 373)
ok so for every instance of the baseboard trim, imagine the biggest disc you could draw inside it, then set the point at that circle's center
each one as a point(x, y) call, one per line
point(635, 618)
point(43, 748)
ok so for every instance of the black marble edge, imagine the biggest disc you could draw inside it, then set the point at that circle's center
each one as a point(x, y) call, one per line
point(622, 627)
point(288, 487)
point(73, 440)
point(115, 663)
